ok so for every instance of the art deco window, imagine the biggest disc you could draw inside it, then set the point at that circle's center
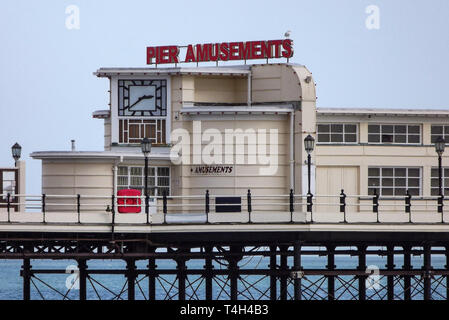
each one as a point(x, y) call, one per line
point(394, 134)
point(434, 184)
point(394, 181)
point(337, 133)
point(142, 110)
point(134, 178)
point(439, 131)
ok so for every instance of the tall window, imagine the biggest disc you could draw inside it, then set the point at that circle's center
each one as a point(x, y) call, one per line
point(134, 178)
point(439, 131)
point(434, 184)
point(394, 133)
point(394, 181)
point(337, 133)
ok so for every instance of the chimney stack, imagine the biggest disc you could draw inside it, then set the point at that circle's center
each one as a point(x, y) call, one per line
point(73, 145)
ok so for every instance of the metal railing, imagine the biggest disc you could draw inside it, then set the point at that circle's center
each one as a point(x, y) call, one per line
point(286, 208)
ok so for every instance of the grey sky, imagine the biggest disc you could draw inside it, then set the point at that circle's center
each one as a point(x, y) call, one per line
point(48, 92)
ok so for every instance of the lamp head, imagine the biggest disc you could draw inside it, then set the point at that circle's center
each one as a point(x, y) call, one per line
point(440, 144)
point(146, 146)
point(309, 143)
point(16, 151)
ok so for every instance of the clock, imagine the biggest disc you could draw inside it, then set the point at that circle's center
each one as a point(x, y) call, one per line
point(142, 98)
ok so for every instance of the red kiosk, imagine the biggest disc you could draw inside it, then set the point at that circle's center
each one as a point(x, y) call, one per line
point(129, 205)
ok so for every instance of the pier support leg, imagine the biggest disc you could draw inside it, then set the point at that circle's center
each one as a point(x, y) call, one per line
point(284, 276)
point(407, 267)
point(152, 279)
point(181, 266)
point(362, 267)
point(26, 275)
point(233, 272)
point(182, 273)
point(330, 266)
point(131, 275)
point(390, 267)
point(427, 276)
point(297, 267)
point(273, 277)
point(82, 266)
point(208, 267)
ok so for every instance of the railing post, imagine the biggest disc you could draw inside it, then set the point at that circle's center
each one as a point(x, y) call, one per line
point(292, 207)
point(78, 207)
point(207, 205)
point(343, 205)
point(248, 199)
point(408, 205)
point(8, 206)
point(440, 206)
point(310, 205)
point(164, 205)
point(147, 207)
point(376, 205)
point(43, 207)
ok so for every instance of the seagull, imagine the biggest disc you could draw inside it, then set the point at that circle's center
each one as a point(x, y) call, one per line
point(287, 34)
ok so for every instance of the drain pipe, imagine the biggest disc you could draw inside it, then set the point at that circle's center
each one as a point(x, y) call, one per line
point(292, 150)
point(114, 171)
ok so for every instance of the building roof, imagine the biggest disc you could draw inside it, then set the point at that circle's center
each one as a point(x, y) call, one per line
point(232, 70)
point(101, 114)
point(240, 70)
point(384, 112)
point(104, 155)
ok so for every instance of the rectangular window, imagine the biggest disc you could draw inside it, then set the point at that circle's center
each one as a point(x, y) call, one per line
point(394, 133)
point(434, 184)
point(133, 130)
point(439, 131)
point(134, 178)
point(337, 133)
point(394, 181)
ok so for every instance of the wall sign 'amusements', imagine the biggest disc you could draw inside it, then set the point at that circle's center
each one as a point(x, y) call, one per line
point(224, 51)
point(212, 170)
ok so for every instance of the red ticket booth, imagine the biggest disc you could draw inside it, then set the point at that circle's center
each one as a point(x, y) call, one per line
point(129, 205)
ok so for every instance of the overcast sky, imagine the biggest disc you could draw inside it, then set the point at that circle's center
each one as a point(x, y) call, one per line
point(48, 92)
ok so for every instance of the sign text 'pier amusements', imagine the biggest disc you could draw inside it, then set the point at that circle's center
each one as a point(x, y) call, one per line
point(224, 51)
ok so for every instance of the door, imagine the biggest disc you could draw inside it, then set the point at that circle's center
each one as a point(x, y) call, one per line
point(330, 181)
point(8, 185)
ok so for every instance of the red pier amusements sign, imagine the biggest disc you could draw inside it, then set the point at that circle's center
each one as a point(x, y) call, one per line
point(224, 51)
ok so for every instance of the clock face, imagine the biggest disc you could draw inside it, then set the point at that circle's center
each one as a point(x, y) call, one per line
point(142, 97)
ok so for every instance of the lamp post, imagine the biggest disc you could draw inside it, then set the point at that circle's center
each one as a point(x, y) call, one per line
point(16, 152)
point(309, 143)
point(146, 149)
point(439, 148)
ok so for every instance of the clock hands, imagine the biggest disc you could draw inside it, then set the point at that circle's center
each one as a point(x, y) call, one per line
point(144, 97)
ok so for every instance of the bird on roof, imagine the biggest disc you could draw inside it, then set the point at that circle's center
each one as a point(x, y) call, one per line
point(287, 34)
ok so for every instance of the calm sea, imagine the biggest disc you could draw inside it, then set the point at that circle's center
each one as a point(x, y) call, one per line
point(56, 286)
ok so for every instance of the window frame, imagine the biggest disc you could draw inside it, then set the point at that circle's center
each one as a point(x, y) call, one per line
point(142, 176)
point(443, 178)
point(443, 135)
point(393, 177)
point(356, 124)
point(407, 125)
